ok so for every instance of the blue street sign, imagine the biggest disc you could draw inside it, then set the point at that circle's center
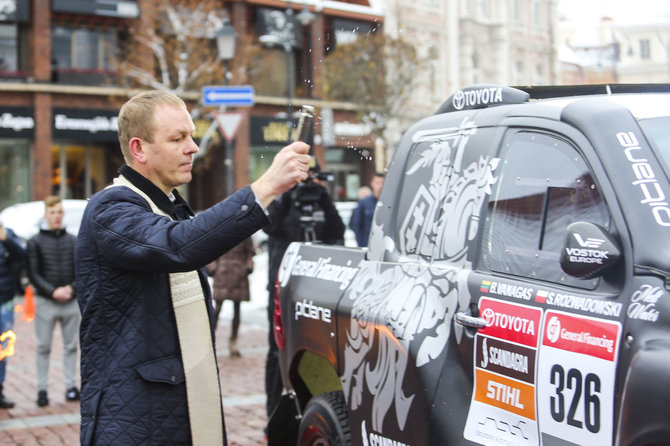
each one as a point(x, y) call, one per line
point(240, 95)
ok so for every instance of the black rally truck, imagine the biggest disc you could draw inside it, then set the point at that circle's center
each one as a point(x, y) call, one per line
point(515, 290)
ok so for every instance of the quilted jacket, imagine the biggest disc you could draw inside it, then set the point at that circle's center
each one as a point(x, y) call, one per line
point(11, 254)
point(50, 261)
point(133, 390)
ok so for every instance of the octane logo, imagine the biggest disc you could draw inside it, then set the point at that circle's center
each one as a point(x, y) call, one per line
point(553, 329)
point(489, 316)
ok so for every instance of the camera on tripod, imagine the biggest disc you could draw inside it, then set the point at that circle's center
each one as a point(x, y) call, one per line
point(306, 197)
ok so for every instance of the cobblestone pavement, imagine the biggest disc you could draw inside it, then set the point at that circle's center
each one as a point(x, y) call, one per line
point(242, 383)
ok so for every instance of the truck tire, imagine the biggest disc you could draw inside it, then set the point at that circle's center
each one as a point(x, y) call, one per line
point(325, 421)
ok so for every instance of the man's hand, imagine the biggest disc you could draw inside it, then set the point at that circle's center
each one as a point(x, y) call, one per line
point(62, 293)
point(289, 167)
point(3, 234)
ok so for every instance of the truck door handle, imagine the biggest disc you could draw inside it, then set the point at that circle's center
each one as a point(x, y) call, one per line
point(469, 321)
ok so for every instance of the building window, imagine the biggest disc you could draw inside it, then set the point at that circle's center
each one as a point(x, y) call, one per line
point(518, 73)
point(537, 14)
point(15, 177)
point(83, 55)
point(517, 12)
point(467, 7)
point(475, 68)
point(12, 51)
point(78, 170)
point(484, 8)
point(539, 74)
point(645, 51)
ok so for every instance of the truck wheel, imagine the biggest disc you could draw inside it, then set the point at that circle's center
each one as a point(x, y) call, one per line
point(325, 422)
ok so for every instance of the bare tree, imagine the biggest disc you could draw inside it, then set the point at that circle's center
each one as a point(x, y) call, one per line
point(172, 46)
point(377, 72)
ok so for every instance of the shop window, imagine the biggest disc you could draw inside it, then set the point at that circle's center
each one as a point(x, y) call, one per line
point(78, 171)
point(543, 186)
point(14, 172)
point(84, 55)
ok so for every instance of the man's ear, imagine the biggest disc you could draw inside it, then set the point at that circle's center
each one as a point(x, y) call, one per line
point(137, 150)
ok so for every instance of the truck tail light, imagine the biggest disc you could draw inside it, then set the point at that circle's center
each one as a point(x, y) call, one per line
point(278, 322)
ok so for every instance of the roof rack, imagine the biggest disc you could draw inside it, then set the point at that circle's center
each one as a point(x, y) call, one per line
point(554, 91)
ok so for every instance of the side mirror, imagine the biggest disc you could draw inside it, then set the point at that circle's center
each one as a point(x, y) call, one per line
point(588, 250)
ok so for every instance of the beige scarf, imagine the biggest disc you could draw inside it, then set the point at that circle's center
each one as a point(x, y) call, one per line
point(197, 353)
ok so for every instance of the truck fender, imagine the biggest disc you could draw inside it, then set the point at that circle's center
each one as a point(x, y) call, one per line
point(644, 412)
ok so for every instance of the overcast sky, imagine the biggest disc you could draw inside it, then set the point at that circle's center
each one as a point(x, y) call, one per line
point(622, 11)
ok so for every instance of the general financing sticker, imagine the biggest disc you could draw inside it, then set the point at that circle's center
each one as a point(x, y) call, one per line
point(575, 376)
point(503, 410)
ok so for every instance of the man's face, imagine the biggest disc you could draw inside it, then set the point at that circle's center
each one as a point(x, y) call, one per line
point(54, 216)
point(376, 185)
point(169, 158)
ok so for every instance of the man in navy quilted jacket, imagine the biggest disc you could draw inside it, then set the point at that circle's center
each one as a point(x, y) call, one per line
point(12, 255)
point(148, 366)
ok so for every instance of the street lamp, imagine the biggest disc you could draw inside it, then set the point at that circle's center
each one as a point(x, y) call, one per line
point(225, 44)
point(284, 34)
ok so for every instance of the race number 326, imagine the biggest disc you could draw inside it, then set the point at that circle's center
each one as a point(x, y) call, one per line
point(572, 392)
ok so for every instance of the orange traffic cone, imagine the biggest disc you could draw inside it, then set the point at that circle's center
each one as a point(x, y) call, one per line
point(29, 303)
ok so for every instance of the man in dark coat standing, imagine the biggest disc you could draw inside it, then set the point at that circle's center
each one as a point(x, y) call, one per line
point(51, 271)
point(148, 363)
point(361, 218)
point(287, 213)
point(12, 256)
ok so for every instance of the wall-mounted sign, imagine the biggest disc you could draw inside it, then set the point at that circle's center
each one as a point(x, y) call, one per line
point(85, 125)
point(272, 131)
point(239, 95)
point(17, 122)
point(111, 8)
point(278, 28)
point(14, 10)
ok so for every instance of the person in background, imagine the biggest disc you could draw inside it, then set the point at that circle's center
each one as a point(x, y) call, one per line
point(285, 213)
point(12, 256)
point(231, 282)
point(363, 192)
point(361, 218)
point(51, 271)
point(148, 356)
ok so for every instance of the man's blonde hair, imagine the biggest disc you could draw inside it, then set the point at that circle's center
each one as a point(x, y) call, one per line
point(51, 200)
point(136, 117)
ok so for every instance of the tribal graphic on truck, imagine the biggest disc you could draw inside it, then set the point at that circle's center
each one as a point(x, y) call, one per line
point(410, 299)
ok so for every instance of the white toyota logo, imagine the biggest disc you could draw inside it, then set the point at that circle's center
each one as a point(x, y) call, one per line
point(459, 100)
point(489, 315)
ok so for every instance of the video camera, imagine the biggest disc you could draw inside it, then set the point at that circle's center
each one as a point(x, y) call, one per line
point(307, 195)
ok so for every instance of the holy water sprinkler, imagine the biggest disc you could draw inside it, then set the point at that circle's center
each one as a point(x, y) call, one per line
point(304, 122)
